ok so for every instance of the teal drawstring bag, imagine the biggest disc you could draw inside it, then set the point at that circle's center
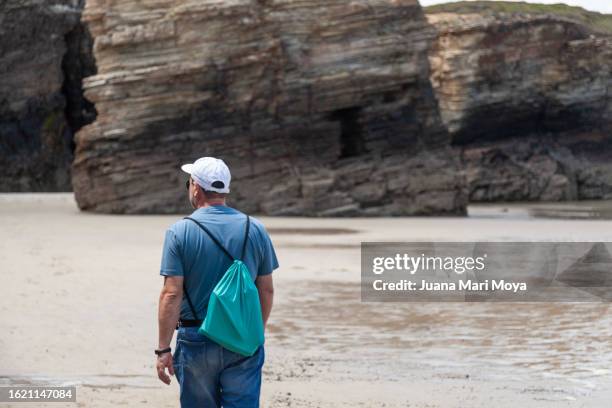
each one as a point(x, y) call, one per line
point(233, 318)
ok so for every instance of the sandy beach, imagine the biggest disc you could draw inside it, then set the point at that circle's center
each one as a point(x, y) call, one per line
point(80, 293)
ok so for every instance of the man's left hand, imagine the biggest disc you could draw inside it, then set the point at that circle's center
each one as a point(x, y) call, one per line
point(165, 361)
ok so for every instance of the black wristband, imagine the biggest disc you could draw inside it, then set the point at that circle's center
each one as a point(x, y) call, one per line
point(162, 351)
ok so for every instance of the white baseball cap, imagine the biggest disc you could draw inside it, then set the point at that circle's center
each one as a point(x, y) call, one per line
point(210, 173)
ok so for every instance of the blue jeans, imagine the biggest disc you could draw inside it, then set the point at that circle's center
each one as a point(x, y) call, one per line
point(211, 376)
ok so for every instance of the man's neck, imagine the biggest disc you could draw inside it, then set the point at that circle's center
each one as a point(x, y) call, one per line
point(212, 204)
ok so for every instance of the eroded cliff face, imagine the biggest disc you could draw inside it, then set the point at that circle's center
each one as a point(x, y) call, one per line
point(526, 100)
point(319, 107)
point(43, 57)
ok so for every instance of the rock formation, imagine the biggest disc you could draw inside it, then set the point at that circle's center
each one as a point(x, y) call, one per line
point(323, 108)
point(319, 107)
point(526, 100)
point(43, 51)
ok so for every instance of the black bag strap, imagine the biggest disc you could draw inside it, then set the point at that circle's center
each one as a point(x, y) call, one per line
point(216, 241)
point(193, 312)
point(246, 237)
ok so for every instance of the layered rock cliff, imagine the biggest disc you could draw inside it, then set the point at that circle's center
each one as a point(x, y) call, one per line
point(318, 107)
point(526, 99)
point(43, 57)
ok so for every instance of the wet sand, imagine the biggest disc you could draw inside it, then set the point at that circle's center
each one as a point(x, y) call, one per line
point(79, 306)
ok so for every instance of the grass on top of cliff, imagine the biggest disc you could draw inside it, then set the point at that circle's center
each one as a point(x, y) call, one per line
point(596, 21)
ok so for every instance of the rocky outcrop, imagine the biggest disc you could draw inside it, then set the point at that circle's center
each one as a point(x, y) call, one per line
point(509, 75)
point(43, 56)
point(319, 107)
point(526, 99)
point(538, 168)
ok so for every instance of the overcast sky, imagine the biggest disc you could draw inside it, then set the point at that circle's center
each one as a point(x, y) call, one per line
point(603, 6)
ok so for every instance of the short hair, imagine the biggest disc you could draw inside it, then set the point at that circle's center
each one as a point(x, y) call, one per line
point(213, 194)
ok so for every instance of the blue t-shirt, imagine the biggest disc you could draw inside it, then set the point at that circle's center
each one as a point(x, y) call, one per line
point(188, 251)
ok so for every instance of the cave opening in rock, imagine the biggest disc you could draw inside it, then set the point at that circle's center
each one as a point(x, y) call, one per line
point(78, 63)
point(351, 132)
